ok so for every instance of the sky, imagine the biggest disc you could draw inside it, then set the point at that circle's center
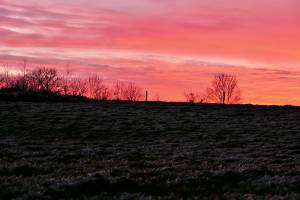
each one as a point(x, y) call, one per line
point(168, 47)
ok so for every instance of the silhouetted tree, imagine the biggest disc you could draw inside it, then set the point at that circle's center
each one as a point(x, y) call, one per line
point(97, 89)
point(77, 87)
point(191, 97)
point(118, 90)
point(20, 82)
point(2, 80)
point(132, 92)
point(64, 86)
point(65, 82)
point(224, 89)
point(44, 79)
point(105, 94)
point(6, 79)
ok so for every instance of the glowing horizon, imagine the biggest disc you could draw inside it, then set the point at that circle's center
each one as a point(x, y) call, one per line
point(166, 46)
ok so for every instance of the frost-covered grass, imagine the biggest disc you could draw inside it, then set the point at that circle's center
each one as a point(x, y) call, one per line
point(115, 150)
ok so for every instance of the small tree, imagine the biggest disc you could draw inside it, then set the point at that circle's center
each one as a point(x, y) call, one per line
point(191, 97)
point(77, 87)
point(97, 89)
point(66, 82)
point(64, 86)
point(118, 90)
point(6, 79)
point(132, 92)
point(2, 80)
point(224, 89)
point(105, 94)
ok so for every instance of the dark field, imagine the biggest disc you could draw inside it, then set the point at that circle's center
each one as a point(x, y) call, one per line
point(148, 151)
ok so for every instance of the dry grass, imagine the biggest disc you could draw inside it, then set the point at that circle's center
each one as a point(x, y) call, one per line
point(148, 151)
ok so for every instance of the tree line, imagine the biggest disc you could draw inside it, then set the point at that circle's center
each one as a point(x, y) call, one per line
point(48, 80)
point(223, 90)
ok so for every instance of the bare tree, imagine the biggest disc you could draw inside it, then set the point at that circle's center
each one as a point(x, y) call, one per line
point(64, 86)
point(118, 90)
point(105, 94)
point(224, 89)
point(191, 97)
point(77, 87)
point(132, 92)
point(7, 80)
point(2, 80)
point(97, 89)
point(44, 79)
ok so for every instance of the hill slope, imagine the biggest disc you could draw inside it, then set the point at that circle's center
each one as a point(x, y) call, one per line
point(125, 150)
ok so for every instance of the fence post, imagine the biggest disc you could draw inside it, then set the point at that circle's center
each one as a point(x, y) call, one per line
point(223, 99)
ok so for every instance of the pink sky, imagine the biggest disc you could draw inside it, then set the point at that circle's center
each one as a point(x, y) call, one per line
point(166, 46)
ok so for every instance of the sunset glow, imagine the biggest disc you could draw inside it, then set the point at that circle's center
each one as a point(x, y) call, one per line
point(165, 46)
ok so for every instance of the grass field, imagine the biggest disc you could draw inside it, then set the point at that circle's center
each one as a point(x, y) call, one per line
point(148, 151)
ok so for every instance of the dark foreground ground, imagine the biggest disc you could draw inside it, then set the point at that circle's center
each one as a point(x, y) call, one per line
point(148, 151)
